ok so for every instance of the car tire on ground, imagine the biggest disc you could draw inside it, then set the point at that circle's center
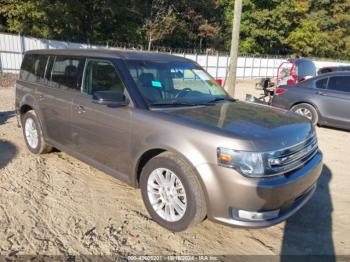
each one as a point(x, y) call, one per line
point(172, 192)
point(307, 111)
point(33, 135)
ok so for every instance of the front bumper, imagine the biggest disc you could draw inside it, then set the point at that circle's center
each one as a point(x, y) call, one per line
point(228, 191)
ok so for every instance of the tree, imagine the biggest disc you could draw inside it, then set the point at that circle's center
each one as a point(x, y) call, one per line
point(25, 17)
point(207, 31)
point(95, 21)
point(284, 27)
point(193, 22)
point(161, 22)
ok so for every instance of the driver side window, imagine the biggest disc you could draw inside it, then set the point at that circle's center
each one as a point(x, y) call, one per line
point(101, 75)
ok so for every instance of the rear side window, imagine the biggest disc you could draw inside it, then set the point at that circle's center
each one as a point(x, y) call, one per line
point(101, 75)
point(339, 83)
point(33, 67)
point(322, 84)
point(66, 72)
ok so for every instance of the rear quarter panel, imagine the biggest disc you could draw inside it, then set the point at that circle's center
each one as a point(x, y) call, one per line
point(25, 95)
point(294, 95)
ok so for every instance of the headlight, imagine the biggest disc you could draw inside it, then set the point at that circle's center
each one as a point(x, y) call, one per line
point(247, 163)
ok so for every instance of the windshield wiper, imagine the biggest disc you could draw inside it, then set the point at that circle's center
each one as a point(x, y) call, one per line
point(172, 103)
point(218, 99)
point(179, 103)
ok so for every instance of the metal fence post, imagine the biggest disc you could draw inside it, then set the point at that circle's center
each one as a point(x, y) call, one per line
point(206, 62)
point(22, 44)
point(227, 65)
point(217, 65)
point(244, 66)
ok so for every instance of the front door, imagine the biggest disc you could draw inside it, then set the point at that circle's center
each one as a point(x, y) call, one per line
point(100, 133)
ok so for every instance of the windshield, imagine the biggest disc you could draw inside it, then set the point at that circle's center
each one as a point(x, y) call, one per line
point(172, 83)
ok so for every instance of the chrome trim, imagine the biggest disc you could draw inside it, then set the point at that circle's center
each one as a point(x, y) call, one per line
point(286, 160)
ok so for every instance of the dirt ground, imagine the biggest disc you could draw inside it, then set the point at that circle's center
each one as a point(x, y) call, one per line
point(56, 205)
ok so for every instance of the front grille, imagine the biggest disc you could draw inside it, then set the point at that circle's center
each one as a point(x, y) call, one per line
point(292, 158)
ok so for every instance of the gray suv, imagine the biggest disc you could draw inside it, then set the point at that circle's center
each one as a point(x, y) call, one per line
point(161, 123)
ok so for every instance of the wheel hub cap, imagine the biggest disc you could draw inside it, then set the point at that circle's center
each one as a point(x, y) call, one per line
point(167, 194)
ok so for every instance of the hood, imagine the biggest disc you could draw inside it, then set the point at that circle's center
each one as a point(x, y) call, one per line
point(268, 128)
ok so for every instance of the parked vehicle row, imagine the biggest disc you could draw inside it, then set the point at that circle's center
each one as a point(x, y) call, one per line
point(161, 123)
point(324, 99)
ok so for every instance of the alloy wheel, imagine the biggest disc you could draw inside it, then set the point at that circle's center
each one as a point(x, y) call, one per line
point(304, 112)
point(167, 194)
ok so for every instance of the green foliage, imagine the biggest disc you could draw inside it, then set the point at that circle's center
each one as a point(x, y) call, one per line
point(296, 27)
point(286, 27)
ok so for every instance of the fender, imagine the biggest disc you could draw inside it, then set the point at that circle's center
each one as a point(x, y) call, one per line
point(29, 100)
point(177, 145)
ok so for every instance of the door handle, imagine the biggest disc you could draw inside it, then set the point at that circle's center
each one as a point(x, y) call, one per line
point(320, 93)
point(41, 97)
point(80, 109)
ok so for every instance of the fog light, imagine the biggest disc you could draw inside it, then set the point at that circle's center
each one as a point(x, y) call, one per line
point(258, 216)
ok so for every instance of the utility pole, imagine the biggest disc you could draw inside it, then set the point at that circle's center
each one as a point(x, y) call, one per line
point(230, 84)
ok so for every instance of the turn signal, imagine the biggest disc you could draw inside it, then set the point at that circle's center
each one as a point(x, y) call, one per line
point(225, 158)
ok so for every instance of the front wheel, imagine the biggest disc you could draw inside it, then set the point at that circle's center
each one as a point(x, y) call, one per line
point(172, 193)
point(307, 111)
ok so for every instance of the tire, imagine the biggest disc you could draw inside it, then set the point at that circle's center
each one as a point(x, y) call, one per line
point(34, 140)
point(185, 215)
point(307, 111)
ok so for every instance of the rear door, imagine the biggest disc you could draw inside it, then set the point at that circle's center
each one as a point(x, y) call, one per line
point(101, 134)
point(62, 80)
point(336, 101)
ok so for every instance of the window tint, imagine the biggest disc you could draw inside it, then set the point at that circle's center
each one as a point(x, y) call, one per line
point(66, 72)
point(174, 82)
point(33, 67)
point(339, 83)
point(101, 75)
point(322, 84)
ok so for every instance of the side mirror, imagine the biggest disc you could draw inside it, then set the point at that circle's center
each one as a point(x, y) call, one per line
point(110, 98)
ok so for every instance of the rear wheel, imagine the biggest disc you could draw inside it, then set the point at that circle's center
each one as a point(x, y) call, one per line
point(307, 111)
point(33, 134)
point(172, 193)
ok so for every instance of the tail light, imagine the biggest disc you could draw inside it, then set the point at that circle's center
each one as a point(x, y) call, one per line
point(280, 91)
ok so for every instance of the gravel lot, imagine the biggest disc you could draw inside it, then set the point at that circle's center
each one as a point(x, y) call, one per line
point(56, 205)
